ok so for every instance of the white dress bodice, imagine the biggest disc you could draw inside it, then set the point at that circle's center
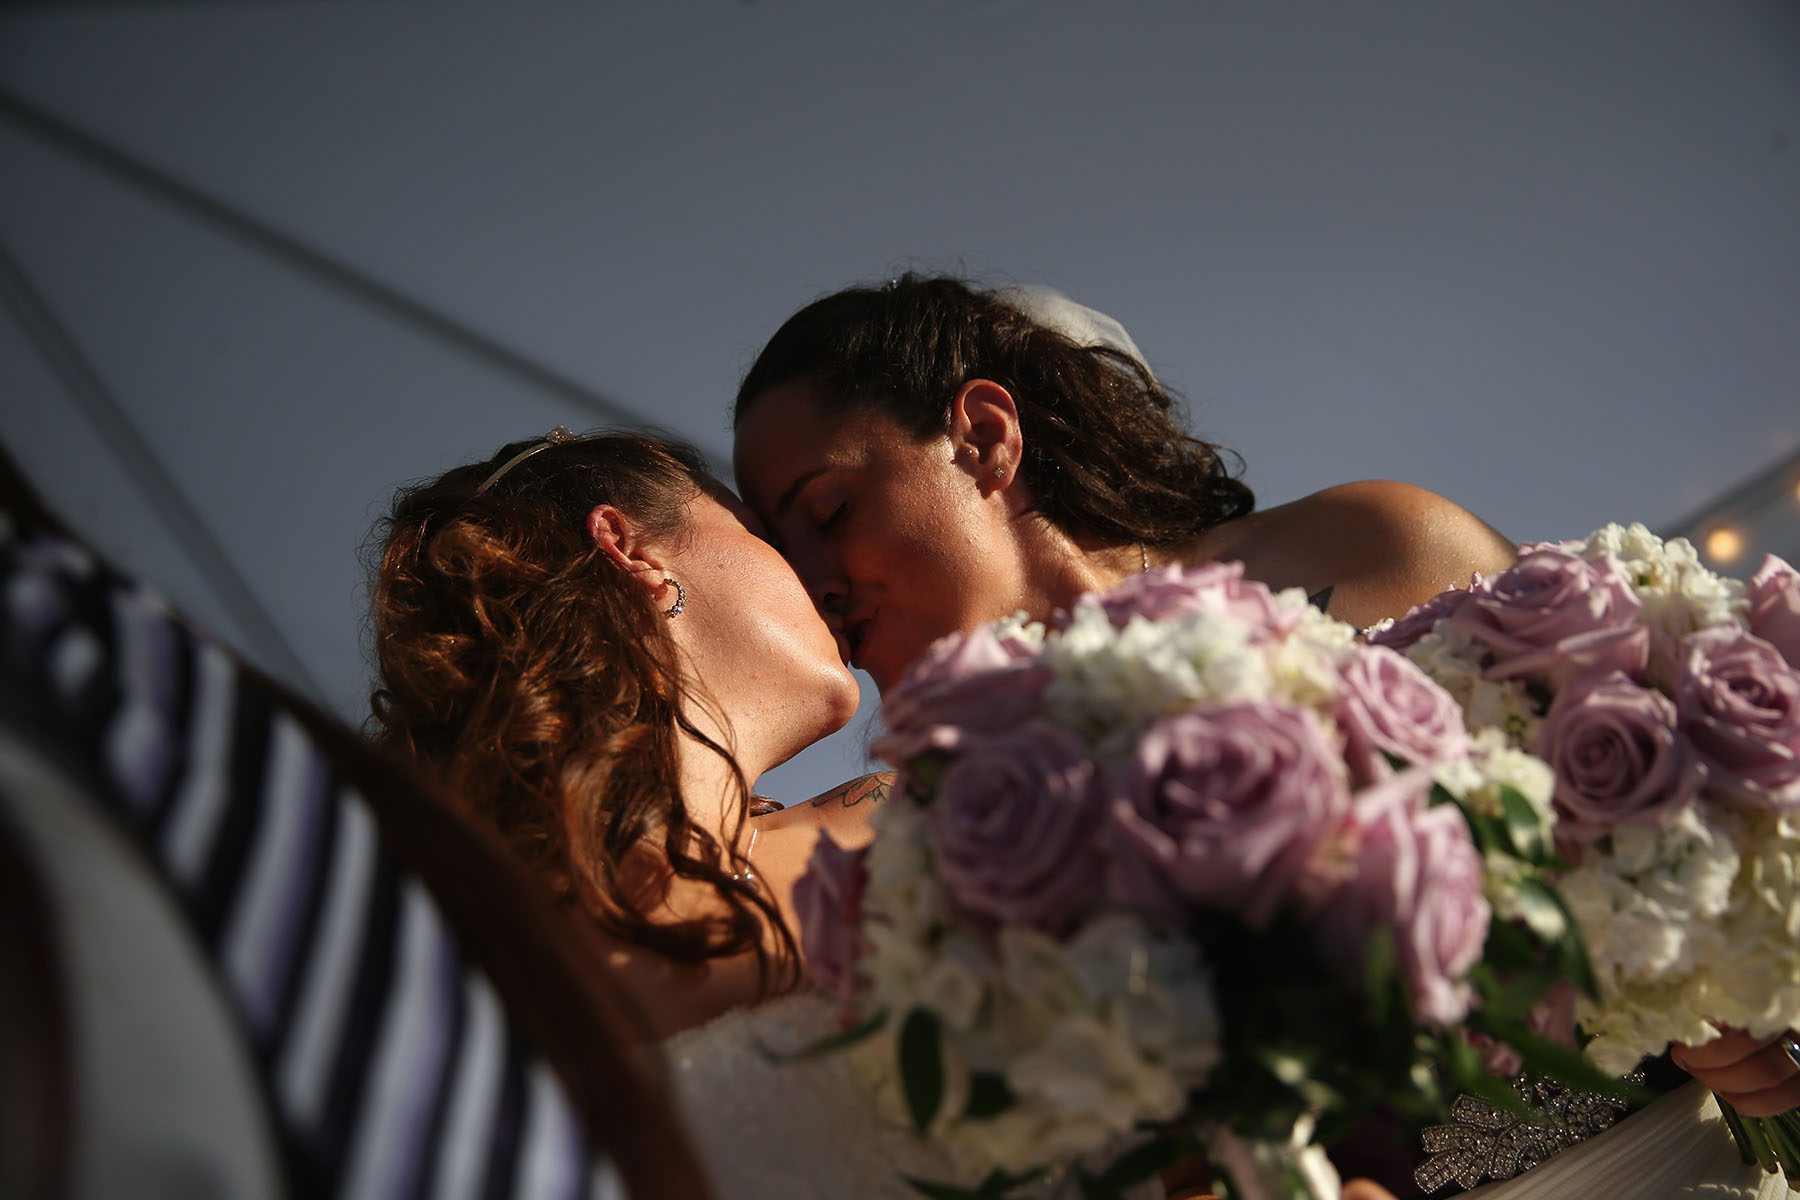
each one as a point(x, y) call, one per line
point(808, 1131)
point(785, 1130)
point(1677, 1147)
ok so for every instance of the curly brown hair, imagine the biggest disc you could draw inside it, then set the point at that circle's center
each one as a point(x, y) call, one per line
point(1104, 452)
point(534, 681)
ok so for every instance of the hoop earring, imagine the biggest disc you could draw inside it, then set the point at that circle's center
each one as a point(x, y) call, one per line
point(676, 609)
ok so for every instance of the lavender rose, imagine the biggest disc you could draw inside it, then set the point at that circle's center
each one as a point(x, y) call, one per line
point(1617, 756)
point(1417, 872)
point(1013, 824)
point(1421, 619)
point(972, 683)
point(1553, 614)
point(1388, 706)
point(1176, 591)
point(1223, 808)
point(1775, 607)
point(828, 900)
point(1739, 703)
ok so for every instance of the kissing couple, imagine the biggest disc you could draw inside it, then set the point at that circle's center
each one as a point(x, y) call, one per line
point(595, 647)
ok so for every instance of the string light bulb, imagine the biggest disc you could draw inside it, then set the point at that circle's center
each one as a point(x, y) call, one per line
point(1723, 545)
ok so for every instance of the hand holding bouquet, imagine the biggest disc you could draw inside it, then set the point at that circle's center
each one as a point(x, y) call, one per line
point(1666, 699)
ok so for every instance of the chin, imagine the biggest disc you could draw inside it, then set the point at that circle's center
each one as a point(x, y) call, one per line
point(847, 696)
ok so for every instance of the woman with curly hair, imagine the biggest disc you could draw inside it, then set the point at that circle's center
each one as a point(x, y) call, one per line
point(585, 642)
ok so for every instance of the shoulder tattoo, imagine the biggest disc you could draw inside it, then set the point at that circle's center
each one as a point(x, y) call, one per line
point(871, 788)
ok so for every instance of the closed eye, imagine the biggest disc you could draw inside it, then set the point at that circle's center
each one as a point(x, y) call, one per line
point(837, 515)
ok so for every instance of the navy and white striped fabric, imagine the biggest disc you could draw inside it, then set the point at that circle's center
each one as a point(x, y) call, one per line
point(389, 1067)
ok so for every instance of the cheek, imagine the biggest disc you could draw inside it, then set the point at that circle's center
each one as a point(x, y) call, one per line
point(946, 567)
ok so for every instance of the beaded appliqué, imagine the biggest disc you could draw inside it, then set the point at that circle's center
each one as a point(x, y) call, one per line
point(1490, 1143)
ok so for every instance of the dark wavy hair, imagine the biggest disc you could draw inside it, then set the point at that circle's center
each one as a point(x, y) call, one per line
point(1104, 453)
point(535, 682)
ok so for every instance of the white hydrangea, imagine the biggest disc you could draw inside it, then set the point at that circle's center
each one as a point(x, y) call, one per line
point(1094, 1035)
point(1679, 594)
point(1304, 671)
point(1108, 683)
point(904, 905)
point(1685, 925)
point(1327, 633)
point(1495, 764)
point(1506, 705)
point(1762, 929)
point(1448, 655)
point(1020, 627)
point(1500, 879)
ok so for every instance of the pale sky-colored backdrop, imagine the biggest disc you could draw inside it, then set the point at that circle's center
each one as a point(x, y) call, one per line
point(263, 261)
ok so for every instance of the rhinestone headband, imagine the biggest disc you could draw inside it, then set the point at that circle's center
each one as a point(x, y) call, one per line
point(559, 436)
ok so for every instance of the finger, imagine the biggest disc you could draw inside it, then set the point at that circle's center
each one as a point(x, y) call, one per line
point(1768, 1068)
point(1365, 1189)
point(1730, 1047)
point(1770, 1102)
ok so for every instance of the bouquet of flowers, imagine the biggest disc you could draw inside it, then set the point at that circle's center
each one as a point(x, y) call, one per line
point(1666, 701)
point(1190, 867)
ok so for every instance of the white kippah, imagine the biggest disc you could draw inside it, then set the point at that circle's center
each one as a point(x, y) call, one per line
point(1080, 324)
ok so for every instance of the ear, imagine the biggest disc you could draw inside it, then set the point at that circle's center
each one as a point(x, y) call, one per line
point(618, 539)
point(984, 419)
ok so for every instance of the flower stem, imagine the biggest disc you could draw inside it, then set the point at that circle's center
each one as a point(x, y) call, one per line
point(1751, 1138)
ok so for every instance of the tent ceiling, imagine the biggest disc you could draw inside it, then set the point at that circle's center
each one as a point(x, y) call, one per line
point(1542, 258)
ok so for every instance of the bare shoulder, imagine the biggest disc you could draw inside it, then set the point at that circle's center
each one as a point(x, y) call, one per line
point(865, 789)
point(842, 811)
point(1380, 545)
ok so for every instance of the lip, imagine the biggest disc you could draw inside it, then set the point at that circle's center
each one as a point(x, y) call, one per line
point(856, 635)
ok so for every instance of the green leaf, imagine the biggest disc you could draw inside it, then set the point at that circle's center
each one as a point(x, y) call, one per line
point(989, 1095)
point(921, 1066)
point(1542, 909)
point(1511, 949)
point(1487, 832)
point(1442, 795)
point(1574, 960)
point(1524, 827)
point(1512, 998)
point(829, 1045)
point(1380, 972)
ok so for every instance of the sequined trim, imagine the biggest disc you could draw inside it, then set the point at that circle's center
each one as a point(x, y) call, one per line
point(1487, 1143)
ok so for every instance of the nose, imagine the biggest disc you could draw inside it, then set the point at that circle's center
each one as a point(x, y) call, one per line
point(823, 581)
point(830, 594)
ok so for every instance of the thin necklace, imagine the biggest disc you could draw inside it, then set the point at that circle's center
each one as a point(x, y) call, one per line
point(1144, 553)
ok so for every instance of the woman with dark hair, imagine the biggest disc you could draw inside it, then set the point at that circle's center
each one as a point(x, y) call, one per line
point(931, 455)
